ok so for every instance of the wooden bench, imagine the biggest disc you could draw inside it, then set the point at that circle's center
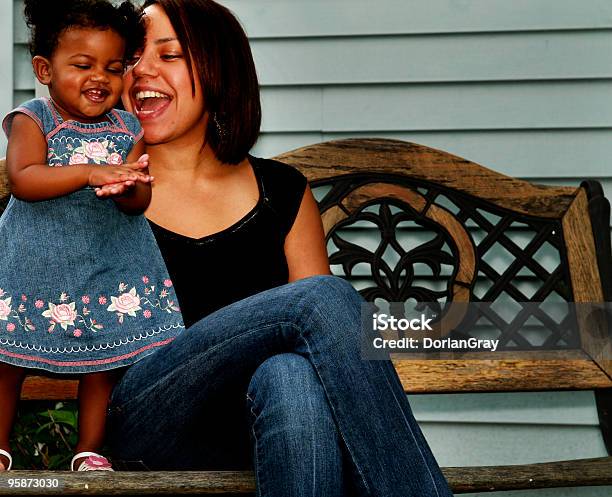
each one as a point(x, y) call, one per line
point(403, 191)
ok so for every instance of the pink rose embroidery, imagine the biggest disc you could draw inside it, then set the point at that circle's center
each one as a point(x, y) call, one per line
point(147, 313)
point(145, 279)
point(85, 299)
point(102, 300)
point(63, 314)
point(168, 283)
point(24, 298)
point(77, 333)
point(95, 150)
point(78, 158)
point(127, 303)
point(115, 159)
point(5, 308)
point(39, 304)
point(10, 327)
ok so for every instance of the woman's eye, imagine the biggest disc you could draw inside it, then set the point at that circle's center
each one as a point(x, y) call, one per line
point(171, 56)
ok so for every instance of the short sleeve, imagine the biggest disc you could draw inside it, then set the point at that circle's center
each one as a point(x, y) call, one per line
point(284, 188)
point(38, 110)
point(131, 123)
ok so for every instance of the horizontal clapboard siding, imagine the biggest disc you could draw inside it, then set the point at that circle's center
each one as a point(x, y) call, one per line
point(316, 18)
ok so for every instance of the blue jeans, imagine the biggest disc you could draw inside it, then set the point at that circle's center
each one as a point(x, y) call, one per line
point(275, 382)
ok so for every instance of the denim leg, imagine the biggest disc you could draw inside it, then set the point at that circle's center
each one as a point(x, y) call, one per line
point(156, 405)
point(296, 447)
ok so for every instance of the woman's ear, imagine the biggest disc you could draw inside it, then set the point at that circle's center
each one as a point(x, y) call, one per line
point(42, 69)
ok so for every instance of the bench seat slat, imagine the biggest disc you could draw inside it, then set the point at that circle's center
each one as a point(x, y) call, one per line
point(568, 370)
point(579, 472)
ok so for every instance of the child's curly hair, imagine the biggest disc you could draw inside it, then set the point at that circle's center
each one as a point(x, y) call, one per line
point(47, 20)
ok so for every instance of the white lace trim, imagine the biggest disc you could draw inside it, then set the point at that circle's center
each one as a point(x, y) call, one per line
point(72, 139)
point(103, 346)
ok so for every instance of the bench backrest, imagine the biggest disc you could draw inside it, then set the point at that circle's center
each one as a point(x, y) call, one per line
point(405, 221)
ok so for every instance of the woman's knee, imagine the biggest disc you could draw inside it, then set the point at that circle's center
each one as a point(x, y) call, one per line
point(287, 386)
point(332, 288)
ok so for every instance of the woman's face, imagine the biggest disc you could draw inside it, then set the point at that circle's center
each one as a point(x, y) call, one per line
point(158, 87)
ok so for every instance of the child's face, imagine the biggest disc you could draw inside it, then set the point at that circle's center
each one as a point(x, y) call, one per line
point(85, 72)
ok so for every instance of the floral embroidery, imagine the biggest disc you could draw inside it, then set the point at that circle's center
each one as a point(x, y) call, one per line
point(127, 303)
point(115, 159)
point(75, 316)
point(98, 152)
point(7, 311)
point(63, 314)
point(66, 314)
point(167, 306)
point(77, 158)
point(5, 308)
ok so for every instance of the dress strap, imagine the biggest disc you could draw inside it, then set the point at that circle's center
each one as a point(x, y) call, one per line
point(57, 117)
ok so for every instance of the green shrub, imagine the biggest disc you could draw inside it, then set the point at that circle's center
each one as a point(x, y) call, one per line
point(44, 435)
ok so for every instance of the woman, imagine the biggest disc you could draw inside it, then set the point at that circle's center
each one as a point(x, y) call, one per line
point(274, 381)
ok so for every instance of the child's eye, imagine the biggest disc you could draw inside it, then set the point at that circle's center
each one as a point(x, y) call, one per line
point(115, 70)
point(82, 66)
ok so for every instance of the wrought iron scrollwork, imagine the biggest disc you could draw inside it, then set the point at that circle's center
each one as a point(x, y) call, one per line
point(514, 258)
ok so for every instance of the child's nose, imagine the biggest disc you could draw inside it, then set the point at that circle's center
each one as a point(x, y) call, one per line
point(99, 76)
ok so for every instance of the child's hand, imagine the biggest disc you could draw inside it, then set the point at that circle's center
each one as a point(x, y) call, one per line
point(106, 175)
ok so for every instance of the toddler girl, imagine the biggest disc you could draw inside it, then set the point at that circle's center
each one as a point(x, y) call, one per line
point(83, 287)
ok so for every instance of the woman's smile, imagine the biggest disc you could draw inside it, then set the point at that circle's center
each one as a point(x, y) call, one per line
point(149, 103)
point(158, 87)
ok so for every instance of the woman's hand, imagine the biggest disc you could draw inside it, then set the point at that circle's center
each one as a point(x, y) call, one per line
point(115, 189)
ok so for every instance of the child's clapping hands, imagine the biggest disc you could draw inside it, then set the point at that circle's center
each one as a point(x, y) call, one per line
point(113, 181)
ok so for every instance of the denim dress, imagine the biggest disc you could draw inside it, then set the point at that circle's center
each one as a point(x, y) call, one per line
point(83, 286)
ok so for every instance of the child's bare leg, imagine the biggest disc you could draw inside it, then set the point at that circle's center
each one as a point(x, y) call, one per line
point(11, 378)
point(94, 393)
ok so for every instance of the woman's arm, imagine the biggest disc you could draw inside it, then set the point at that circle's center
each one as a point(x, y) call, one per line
point(136, 198)
point(305, 248)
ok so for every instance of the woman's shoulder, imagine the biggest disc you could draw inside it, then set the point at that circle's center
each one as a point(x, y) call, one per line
point(283, 188)
point(278, 174)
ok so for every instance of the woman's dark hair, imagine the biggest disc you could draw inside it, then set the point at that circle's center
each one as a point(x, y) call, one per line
point(48, 19)
point(214, 40)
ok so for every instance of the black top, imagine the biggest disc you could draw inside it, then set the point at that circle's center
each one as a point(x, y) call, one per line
point(247, 257)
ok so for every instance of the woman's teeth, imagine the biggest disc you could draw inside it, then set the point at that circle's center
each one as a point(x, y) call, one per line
point(141, 95)
point(149, 101)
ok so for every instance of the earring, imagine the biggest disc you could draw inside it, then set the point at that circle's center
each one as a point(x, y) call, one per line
point(221, 131)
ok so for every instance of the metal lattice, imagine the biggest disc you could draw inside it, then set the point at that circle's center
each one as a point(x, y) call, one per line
point(393, 252)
